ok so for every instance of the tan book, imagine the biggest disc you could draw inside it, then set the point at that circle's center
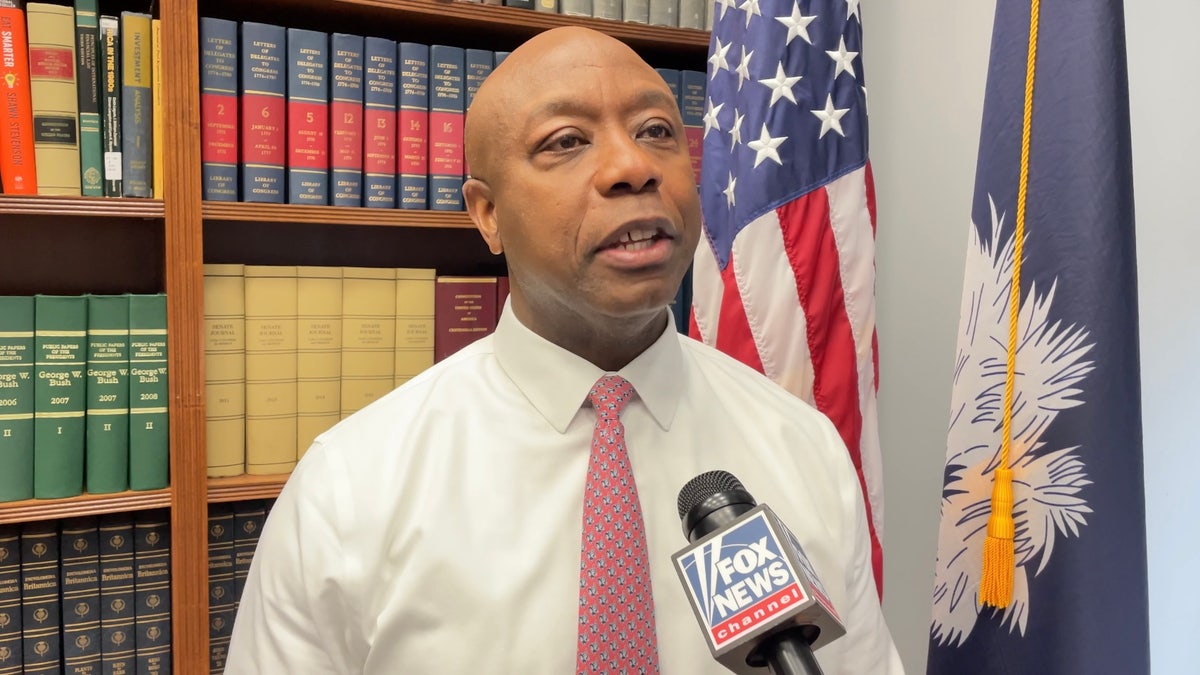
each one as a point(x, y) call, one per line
point(318, 353)
point(368, 335)
point(414, 322)
point(51, 30)
point(225, 369)
point(271, 305)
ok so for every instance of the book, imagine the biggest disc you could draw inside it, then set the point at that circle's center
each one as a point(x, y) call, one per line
point(11, 652)
point(157, 124)
point(152, 591)
point(106, 423)
point(263, 111)
point(18, 171)
point(379, 123)
point(520, 4)
point(219, 109)
point(464, 311)
point(149, 440)
point(51, 32)
point(137, 105)
point(271, 304)
point(225, 369)
point(40, 607)
point(637, 11)
point(413, 133)
point(222, 598)
point(577, 7)
point(87, 71)
point(318, 352)
point(414, 323)
point(664, 13)
point(447, 105)
point(692, 86)
point(691, 13)
point(110, 103)
point(550, 6)
point(117, 601)
point(346, 119)
point(307, 116)
point(248, 519)
point(368, 335)
point(60, 387)
point(607, 9)
point(16, 398)
point(79, 545)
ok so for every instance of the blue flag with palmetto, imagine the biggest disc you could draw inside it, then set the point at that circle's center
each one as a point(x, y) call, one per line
point(1079, 601)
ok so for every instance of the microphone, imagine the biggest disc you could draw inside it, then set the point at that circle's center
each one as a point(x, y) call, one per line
point(753, 590)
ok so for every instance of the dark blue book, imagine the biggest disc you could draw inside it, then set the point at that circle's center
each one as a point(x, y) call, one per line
point(263, 112)
point(222, 595)
point(152, 591)
point(414, 126)
point(499, 58)
point(307, 117)
point(80, 549)
point(379, 123)
point(116, 594)
point(40, 583)
point(346, 119)
point(219, 109)
point(447, 106)
point(11, 653)
point(248, 518)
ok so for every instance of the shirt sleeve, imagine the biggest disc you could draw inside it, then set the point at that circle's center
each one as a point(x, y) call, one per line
point(293, 616)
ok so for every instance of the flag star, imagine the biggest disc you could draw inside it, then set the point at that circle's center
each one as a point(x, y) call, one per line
point(728, 191)
point(750, 7)
point(852, 10)
point(781, 85)
point(743, 69)
point(766, 147)
point(735, 132)
point(843, 60)
point(718, 59)
point(710, 117)
point(830, 117)
point(725, 5)
point(797, 24)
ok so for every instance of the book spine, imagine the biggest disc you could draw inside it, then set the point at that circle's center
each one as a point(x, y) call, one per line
point(55, 100)
point(478, 64)
point(414, 126)
point(271, 302)
point(263, 111)
point(664, 13)
point(692, 84)
point(222, 598)
point(637, 11)
point(18, 172)
point(40, 584)
point(225, 369)
point(550, 6)
point(447, 104)
point(414, 323)
point(318, 353)
point(607, 9)
point(117, 602)
point(137, 106)
point(307, 117)
point(80, 547)
point(91, 159)
point(11, 652)
point(379, 123)
point(368, 335)
point(107, 419)
point(577, 7)
point(219, 109)
point(519, 4)
point(16, 397)
point(499, 58)
point(60, 387)
point(110, 99)
point(464, 311)
point(152, 592)
point(157, 128)
point(346, 119)
point(691, 13)
point(149, 440)
point(248, 519)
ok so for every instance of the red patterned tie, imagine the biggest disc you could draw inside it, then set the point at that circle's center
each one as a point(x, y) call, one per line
point(616, 608)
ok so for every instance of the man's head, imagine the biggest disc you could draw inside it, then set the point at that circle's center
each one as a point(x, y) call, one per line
point(576, 147)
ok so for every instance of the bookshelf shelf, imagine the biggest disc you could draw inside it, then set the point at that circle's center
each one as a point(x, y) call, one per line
point(31, 205)
point(83, 505)
point(238, 488)
point(334, 215)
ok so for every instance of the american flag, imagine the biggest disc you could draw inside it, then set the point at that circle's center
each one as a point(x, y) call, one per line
point(787, 282)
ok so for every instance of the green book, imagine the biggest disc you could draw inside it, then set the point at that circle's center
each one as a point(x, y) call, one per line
point(149, 443)
point(87, 38)
point(107, 420)
point(59, 390)
point(16, 397)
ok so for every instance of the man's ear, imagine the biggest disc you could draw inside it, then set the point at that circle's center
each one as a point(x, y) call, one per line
point(481, 208)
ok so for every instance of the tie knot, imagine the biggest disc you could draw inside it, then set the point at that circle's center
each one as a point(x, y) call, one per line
point(609, 396)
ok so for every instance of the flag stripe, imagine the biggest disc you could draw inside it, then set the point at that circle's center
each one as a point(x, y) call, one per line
point(734, 336)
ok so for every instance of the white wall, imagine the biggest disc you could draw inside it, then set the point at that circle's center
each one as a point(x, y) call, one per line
point(926, 64)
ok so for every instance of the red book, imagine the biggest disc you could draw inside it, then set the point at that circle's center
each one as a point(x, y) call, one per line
point(17, 168)
point(464, 310)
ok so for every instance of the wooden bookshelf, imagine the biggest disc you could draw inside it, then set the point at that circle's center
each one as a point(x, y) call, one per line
point(238, 488)
point(29, 205)
point(334, 215)
point(83, 505)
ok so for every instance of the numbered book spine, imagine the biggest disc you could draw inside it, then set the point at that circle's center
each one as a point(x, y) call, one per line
point(692, 85)
point(414, 323)
point(248, 518)
point(55, 100)
point(264, 110)
point(16, 398)
point(225, 369)
point(346, 119)
point(11, 653)
point(368, 335)
point(318, 353)
point(447, 105)
point(137, 105)
point(149, 441)
point(80, 548)
point(87, 36)
point(271, 305)
point(40, 584)
point(152, 591)
point(219, 109)
point(414, 126)
point(60, 387)
point(379, 123)
point(110, 103)
point(18, 173)
point(222, 598)
point(308, 117)
point(117, 609)
point(107, 419)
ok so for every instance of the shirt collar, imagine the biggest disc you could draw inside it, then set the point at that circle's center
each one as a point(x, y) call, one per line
point(557, 382)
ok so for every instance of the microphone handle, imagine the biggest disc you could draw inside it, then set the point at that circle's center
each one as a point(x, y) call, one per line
point(786, 653)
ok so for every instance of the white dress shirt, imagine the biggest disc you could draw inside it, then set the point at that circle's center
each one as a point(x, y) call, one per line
point(437, 530)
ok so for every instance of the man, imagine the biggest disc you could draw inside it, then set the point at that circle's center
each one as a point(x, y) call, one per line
point(439, 529)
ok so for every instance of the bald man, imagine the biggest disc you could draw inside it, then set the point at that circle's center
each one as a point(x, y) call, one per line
point(461, 523)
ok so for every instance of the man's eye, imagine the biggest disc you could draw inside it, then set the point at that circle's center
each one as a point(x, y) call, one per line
point(657, 130)
point(564, 142)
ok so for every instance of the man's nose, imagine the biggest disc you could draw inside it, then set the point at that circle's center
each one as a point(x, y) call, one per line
point(627, 165)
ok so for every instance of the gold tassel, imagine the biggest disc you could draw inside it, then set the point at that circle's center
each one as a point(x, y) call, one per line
point(996, 586)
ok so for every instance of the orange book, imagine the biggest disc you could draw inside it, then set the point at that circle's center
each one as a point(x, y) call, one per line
point(17, 169)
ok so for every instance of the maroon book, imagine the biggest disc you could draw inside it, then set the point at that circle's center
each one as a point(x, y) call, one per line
point(464, 311)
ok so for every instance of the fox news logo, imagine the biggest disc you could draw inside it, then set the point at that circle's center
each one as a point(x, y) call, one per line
point(740, 580)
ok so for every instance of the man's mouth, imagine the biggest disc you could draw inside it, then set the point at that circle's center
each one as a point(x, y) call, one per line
point(637, 240)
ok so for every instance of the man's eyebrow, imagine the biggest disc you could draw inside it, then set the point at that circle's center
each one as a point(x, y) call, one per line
point(648, 98)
